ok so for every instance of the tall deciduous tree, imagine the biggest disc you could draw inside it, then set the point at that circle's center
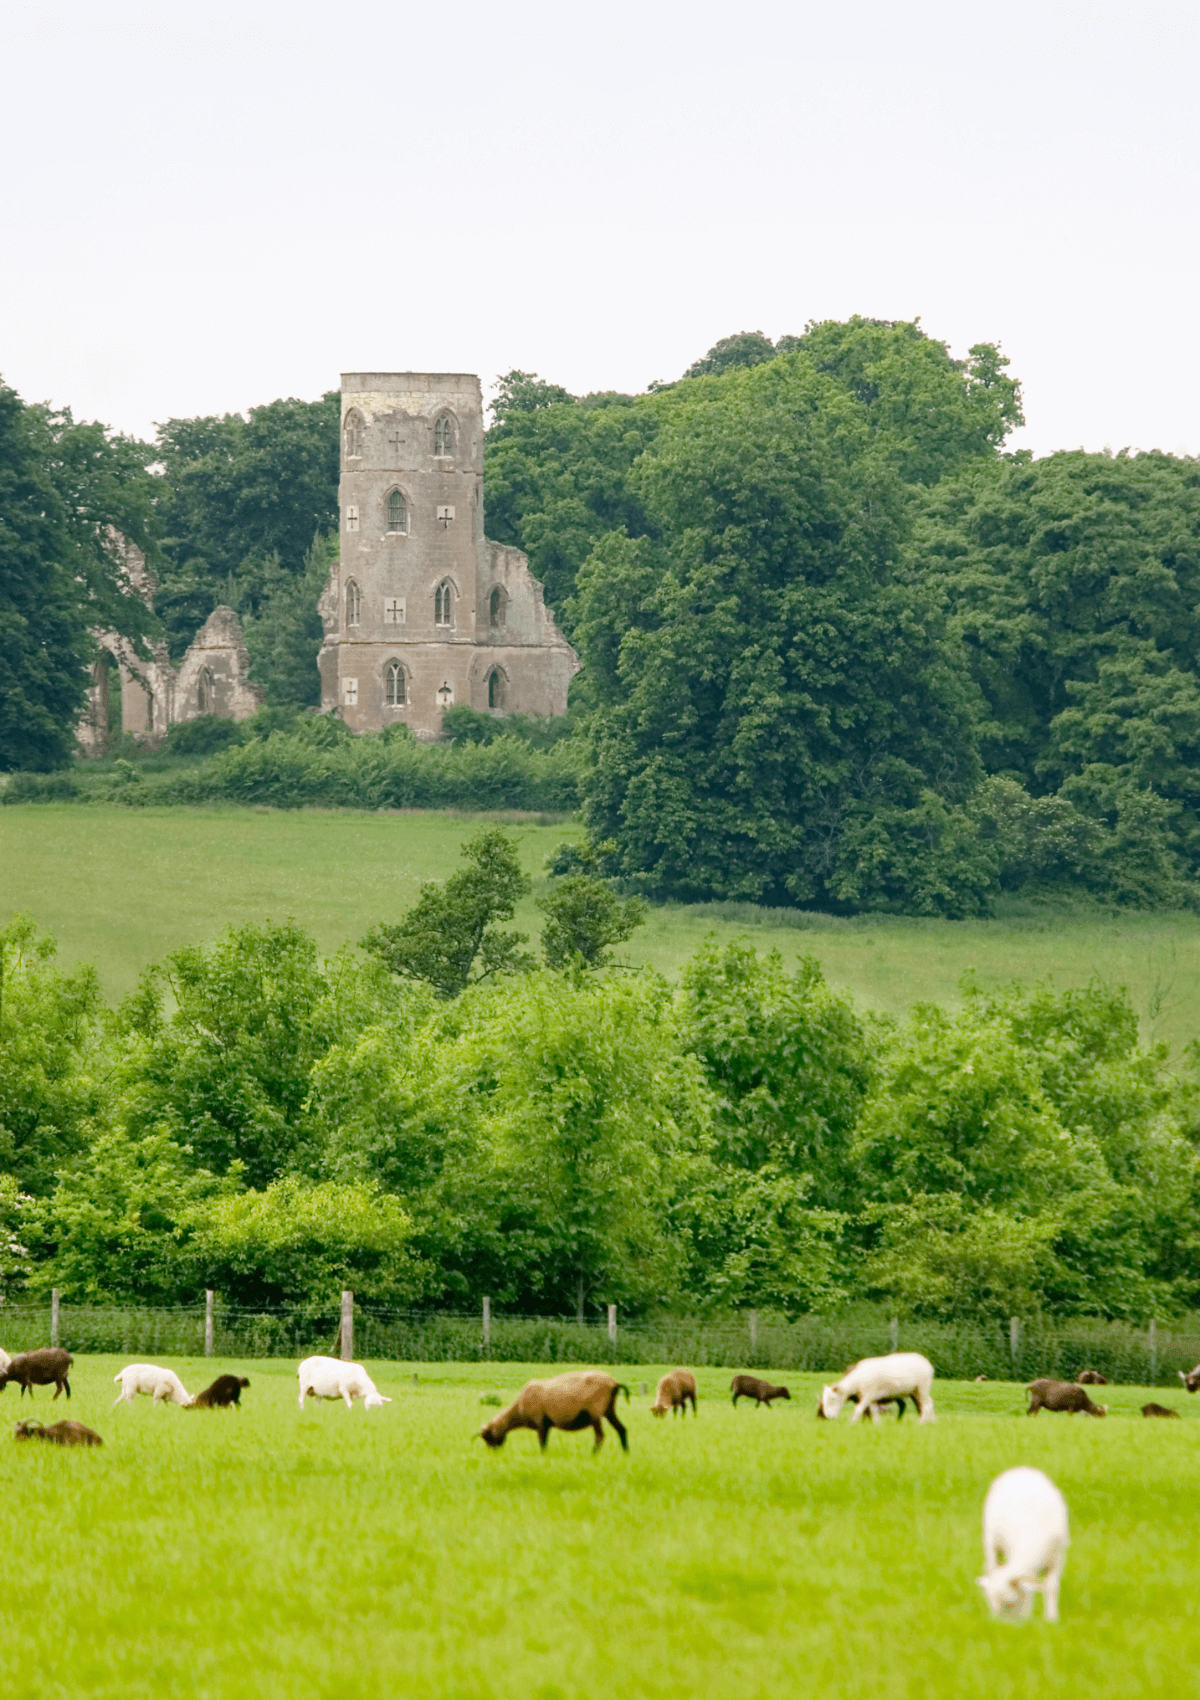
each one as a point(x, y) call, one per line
point(1075, 583)
point(450, 935)
point(64, 487)
point(241, 497)
point(778, 704)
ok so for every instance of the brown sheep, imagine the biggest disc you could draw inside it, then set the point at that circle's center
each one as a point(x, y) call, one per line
point(576, 1400)
point(1153, 1410)
point(1091, 1378)
point(674, 1391)
point(896, 1399)
point(65, 1433)
point(1048, 1395)
point(750, 1387)
point(1191, 1379)
point(226, 1390)
point(38, 1369)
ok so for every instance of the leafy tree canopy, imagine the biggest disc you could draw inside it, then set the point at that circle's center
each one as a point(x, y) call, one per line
point(1075, 584)
point(450, 935)
point(769, 684)
point(242, 501)
point(51, 1092)
point(64, 489)
point(747, 348)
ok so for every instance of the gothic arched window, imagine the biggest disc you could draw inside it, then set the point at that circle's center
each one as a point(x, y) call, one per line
point(443, 436)
point(495, 688)
point(395, 685)
point(353, 603)
point(442, 603)
point(397, 512)
point(206, 696)
point(496, 607)
point(353, 435)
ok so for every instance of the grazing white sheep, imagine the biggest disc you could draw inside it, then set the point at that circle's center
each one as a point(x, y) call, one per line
point(882, 1378)
point(1025, 1541)
point(162, 1384)
point(329, 1378)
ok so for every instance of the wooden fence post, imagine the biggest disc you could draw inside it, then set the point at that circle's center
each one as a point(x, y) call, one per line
point(1153, 1343)
point(347, 1332)
point(1014, 1341)
point(612, 1328)
point(754, 1336)
point(894, 1330)
point(54, 1316)
point(487, 1327)
point(208, 1322)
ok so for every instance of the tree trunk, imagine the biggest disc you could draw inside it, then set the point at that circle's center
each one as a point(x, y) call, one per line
point(579, 1300)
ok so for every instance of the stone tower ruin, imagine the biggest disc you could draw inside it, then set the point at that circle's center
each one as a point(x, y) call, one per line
point(421, 611)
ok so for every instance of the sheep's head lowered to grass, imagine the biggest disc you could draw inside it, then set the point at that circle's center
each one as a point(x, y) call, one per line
point(832, 1400)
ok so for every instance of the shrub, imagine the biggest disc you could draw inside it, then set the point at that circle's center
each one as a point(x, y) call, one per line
point(203, 736)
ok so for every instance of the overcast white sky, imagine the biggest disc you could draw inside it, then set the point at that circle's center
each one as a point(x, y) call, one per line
point(205, 208)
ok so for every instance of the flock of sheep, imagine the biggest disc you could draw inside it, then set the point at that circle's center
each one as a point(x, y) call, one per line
point(1025, 1525)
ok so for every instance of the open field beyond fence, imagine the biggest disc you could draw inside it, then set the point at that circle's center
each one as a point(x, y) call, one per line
point(272, 1553)
point(122, 887)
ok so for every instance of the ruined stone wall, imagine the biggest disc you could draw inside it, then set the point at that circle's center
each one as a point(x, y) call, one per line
point(214, 675)
point(415, 582)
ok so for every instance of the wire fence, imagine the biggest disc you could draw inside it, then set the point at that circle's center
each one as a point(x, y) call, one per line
point(1015, 1350)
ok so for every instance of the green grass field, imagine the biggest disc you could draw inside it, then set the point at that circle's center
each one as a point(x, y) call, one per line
point(751, 1553)
point(123, 887)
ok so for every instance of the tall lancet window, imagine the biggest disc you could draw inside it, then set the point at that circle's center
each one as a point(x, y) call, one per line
point(442, 604)
point(443, 436)
point(394, 685)
point(353, 603)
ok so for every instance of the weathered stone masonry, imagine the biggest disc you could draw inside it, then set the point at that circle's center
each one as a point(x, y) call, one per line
point(422, 611)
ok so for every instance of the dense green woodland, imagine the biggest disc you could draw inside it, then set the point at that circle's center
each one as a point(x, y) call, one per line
point(448, 1113)
point(841, 649)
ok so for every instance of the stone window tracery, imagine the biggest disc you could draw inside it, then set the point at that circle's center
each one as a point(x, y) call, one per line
point(397, 512)
point(353, 603)
point(395, 685)
point(442, 604)
point(443, 436)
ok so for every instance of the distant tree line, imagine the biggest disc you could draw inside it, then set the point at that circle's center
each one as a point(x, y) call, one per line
point(841, 649)
point(453, 1114)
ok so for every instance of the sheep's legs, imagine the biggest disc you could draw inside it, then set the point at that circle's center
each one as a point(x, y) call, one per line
point(598, 1431)
point(1050, 1589)
point(616, 1422)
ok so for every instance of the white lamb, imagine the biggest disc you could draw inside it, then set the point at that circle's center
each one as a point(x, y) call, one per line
point(5, 1360)
point(1025, 1541)
point(162, 1384)
point(329, 1378)
point(906, 1373)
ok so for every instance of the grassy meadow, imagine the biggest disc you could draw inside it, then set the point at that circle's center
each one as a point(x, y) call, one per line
point(273, 1553)
point(123, 887)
